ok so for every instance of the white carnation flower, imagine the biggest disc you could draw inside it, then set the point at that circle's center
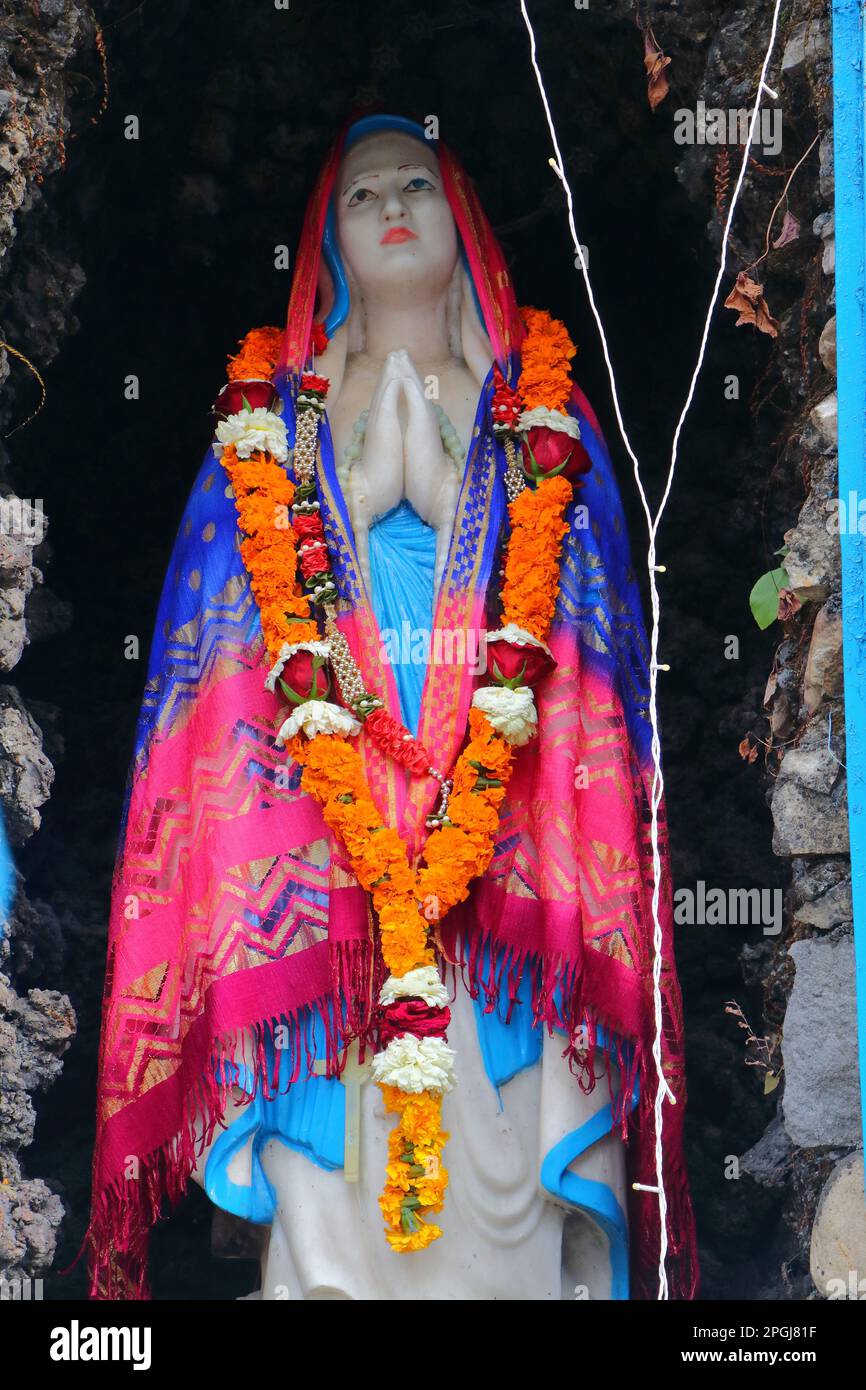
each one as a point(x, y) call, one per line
point(415, 1064)
point(421, 983)
point(540, 416)
point(318, 717)
point(511, 712)
point(512, 633)
point(287, 651)
point(250, 430)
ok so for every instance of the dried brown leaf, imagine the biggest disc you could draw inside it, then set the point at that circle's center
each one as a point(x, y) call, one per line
point(747, 298)
point(655, 63)
point(789, 604)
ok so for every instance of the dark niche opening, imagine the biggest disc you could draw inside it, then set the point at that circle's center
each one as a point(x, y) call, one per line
point(176, 232)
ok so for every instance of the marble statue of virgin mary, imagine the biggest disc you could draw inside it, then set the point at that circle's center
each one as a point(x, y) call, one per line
point(239, 1014)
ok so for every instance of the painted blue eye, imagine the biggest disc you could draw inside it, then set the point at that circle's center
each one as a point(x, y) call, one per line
point(361, 195)
point(418, 185)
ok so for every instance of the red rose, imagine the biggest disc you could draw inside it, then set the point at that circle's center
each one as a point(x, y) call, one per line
point(257, 393)
point(415, 1017)
point(550, 448)
point(313, 558)
point(509, 663)
point(305, 677)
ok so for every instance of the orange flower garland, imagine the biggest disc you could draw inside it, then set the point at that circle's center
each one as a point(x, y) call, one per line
point(263, 496)
point(414, 1167)
point(408, 901)
point(258, 356)
point(545, 358)
point(532, 564)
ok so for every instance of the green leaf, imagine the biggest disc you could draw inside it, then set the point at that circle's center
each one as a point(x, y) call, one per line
point(514, 682)
point(783, 550)
point(291, 696)
point(764, 598)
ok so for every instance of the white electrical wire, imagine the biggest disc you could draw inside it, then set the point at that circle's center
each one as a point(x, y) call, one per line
point(558, 166)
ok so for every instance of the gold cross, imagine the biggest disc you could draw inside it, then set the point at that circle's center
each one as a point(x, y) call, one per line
point(354, 1074)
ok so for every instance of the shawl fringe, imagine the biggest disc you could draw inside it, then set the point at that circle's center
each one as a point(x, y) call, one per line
point(124, 1211)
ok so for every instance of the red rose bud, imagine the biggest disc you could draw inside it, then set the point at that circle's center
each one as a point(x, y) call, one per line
point(415, 1017)
point(510, 664)
point(308, 526)
point(314, 559)
point(305, 677)
point(255, 393)
point(547, 451)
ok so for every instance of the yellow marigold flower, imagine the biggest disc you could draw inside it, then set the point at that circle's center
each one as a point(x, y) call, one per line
point(418, 1240)
point(431, 1191)
point(422, 1116)
point(395, 1101)
point(390, 1205)
point(397, 1143)
point(398, 1175)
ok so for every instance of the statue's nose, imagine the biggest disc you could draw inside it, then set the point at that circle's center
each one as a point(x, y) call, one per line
point(393, 209)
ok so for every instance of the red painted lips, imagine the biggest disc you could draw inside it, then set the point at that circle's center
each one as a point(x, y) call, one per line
point(397, 234)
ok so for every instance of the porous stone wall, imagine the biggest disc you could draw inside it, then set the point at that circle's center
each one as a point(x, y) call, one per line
point(39, 46)
point(809, 1155)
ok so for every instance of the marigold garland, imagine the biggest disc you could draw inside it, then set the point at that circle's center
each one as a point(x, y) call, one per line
point(409, 901)
point(414, 1168)
point(263, 495)
point(538, 526)
point(258, 355)
point(545, 359)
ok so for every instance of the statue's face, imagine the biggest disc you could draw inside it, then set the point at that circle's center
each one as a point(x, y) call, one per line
point(394, 225)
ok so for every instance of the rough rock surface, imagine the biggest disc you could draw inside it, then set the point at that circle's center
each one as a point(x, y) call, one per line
point(821, 1104)
point(810, 803)
point(34, 1033)
point(25, 772)
point(18, 574)
point(40, 48)
point(823, 676)
point(838, 1248)
point(800, 733)
point(813, 558)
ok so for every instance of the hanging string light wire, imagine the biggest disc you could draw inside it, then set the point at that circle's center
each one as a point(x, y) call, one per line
point(653, 521)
